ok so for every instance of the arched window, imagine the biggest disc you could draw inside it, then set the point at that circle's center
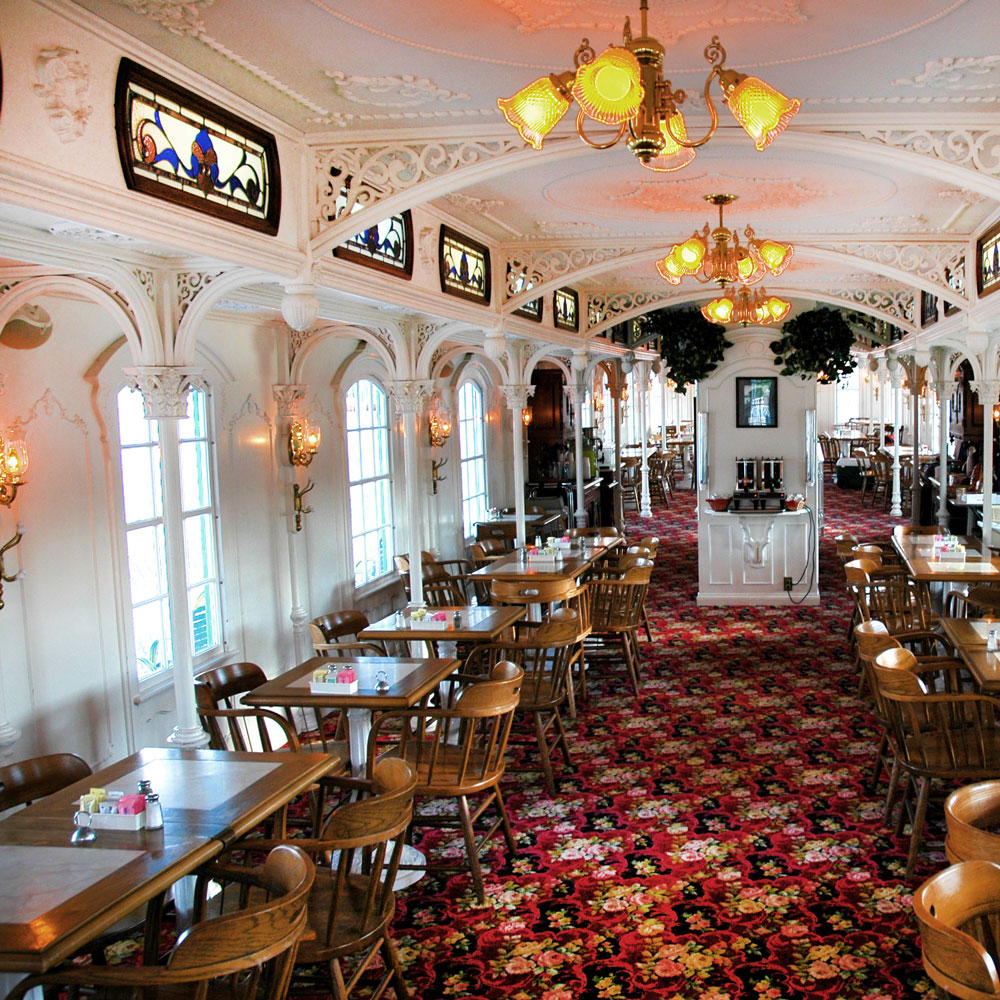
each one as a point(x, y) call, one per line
point(472, 453)
point(149, 571)
point(369, 477)
point(847, 398)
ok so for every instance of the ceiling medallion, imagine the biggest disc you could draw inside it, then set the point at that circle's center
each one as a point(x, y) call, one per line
point(728, 261)
point(624, 88)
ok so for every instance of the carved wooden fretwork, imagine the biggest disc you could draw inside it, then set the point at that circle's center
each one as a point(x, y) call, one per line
point(526, 264)
point(147, 279)
point(975, 148)
point(189, 284)
point(604, 307)
point(896, 305)
point(368, 174)
point(934, 262)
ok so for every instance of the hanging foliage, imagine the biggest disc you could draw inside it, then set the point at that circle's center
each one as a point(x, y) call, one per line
point(690, 347)
point(816, 344)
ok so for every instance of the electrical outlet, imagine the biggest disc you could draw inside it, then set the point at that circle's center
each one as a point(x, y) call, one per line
point(788, 583)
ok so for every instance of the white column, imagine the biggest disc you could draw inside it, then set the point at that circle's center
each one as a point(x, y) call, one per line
point(517, 397)
point(943, 388)
point(288, 397)
point(616, 395)
point(988, 392)
point(409, 397)
point(661, 377)
point(884, 386)
point(574, 393)
point(645, 503)
point(915, 386)
point(896, 373)
point(164, 396)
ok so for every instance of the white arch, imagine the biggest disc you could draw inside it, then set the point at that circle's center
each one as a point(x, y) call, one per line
point(144, 345)
point(491, 367)
point(345, 330)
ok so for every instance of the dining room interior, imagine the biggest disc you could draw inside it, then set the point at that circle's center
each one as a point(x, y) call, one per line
point(559, 479)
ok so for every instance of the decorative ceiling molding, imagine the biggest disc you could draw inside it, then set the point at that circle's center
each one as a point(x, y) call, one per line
point(341, 119)
point(606, 309)
point(897, 224)
point(967, 198)
point(471, 204)
point(386, 91)
point(63, 81)
point(957, 73)
point(686, 194)
point(190, 284)
point(896, 305)
point(896, 99)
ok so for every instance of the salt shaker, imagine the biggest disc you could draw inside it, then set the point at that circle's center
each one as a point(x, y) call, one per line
point(399, 619)
point(991, 641)
point(154, 812)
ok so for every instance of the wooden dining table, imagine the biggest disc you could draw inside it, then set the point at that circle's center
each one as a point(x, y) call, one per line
point(917, 553)
point(968, 636)
point(410, 679)
point(57, 896)
point(475, 623)
point(575, 562)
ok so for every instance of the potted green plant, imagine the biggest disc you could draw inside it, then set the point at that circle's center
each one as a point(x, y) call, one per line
point(690, 347)
point(816, 344)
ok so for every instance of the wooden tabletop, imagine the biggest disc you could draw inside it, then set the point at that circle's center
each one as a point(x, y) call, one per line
point(479, 624)
point(57, 896)
point(410, 678)
point(968, 636)
point(575, 563)
point(917, 552)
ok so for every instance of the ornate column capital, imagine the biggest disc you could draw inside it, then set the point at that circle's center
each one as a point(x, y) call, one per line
point(288, 398)
point(987, 391)
point(164, 389)
point(574, 392)
point(517, 396)
point(897, 371)
point(411, 395)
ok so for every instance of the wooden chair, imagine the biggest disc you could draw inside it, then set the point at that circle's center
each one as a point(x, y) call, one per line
point(881, 479)
point(544, 653)
point(893, 599)
point(27, 780)
point(981, 601)
point(972, 817)
point(597, 532)
point(831, 452)
point(486, 551)
point(247, 954)
point(865, 470)
point(458, 752)
point(952, 737)
point(958, 915)
point(630, 481)
point(616, 617)
point(338, 625)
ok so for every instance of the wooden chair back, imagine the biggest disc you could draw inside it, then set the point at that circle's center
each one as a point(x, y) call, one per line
point(958, 914)
point(253, 730)
point(845, 543)
point(487, 550)
point(340, 624)
point(972, 816)
point(616, 604)
point(27, 780)
point(599, 532)
point(228, 682)
point(545, 592)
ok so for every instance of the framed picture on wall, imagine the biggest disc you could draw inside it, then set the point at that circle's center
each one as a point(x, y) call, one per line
point(757, 402)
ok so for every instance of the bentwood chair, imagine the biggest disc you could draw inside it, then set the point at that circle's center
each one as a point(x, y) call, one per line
point(544, 653)
point(23, 782)
point(972, 817)
point(958, 916)
point(941, 736)
point(248, 953)
point(458, 752)
point(616, 606)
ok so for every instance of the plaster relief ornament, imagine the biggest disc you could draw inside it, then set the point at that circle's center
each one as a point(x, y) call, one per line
point(177, 18)
point(63, 81)
point(390, 91)
point(957, 73)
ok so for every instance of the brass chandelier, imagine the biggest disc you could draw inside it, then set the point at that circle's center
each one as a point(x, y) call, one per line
point(726, 260)
point(624, 87)
point(744, 307)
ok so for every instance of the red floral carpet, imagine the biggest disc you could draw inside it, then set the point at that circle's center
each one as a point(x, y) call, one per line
point(715, 838)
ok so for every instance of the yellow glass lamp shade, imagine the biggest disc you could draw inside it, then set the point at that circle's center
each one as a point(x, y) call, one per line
point(690, 253)
point(748, 269)
point(762, 111)
point(535, 110)
point(609, 90)
point(776, 309)
point(719, 310)
point(669, 269)
point(15, 461)
point(673, 156)
point(777, 256)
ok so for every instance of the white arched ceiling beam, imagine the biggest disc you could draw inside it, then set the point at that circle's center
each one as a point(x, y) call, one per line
point(964, 157)
point(376, 340)
point(389, 177)
point(547, 352)
point(144, 343)
point(704, 293)
point(432, 345)
point(211, 287)
point(495, 371)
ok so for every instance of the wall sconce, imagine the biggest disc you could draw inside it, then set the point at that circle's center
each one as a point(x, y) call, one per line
point(438, 427)
point(297, 495)
point(599, 404)
point(436, 477)
point(526, 416)
point(625, 393)
point(996, 413)
point(303, 442)
point(13, 465)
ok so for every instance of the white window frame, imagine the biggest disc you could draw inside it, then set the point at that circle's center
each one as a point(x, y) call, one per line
point(470, 427)
point(849, 385)
point(384, 524)
point(163, 675)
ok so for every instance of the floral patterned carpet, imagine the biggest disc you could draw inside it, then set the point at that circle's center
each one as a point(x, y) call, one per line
point(714, 839)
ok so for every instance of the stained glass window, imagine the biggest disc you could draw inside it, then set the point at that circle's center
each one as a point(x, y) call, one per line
point(566, 309)
point(530, 310)
point(465, 266)
point(145, 541)
point(988, 261)
point(369, 481)
point(387, 246)
point(177, 146)
point(472, 453)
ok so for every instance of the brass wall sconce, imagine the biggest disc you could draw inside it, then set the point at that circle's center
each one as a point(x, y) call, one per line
point(526, 416)
point(6, 577)
point(436, 477)
point(438, 428)
point(303, 442)
point(13, 465)
point(297, 494)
